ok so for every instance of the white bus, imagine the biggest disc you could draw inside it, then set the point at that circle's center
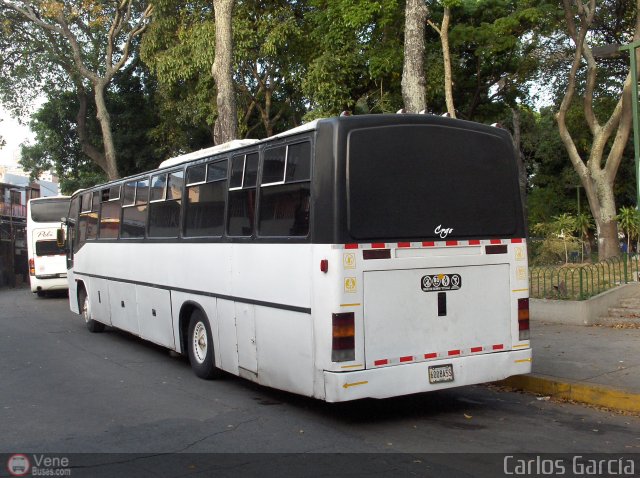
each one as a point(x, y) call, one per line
point(352, 257)
point(47, 261)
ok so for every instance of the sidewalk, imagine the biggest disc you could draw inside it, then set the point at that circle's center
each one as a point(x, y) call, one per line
point(591, 364)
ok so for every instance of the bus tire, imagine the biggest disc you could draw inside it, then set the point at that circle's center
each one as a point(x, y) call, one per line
point(85, 311)
point(200, 347)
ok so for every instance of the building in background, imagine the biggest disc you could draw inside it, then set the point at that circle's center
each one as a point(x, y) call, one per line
point(15, 191)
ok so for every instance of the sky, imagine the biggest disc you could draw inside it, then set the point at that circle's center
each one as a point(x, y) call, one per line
point(14, 134)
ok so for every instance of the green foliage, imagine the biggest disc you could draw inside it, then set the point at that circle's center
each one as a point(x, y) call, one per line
point(179, 49)
point(629, 221)
point(57, 147)
point(559, 239)
point(357, 57)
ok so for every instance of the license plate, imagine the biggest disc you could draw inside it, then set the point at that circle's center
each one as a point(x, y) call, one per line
point(441, 373)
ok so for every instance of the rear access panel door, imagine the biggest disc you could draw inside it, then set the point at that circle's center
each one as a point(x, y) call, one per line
point(413, 314)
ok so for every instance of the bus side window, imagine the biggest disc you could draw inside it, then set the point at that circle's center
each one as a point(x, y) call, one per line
point(242, 195)
point(134, 209)
point(72, 224)
point(110, 213)
point(165, 209)
point(206, 199)
point(92, 219)
point(83, 219)
point(285, 191)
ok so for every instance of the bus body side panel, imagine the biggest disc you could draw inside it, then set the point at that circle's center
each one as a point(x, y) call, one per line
point(154, 315)
point(227, 350)
point(274, 341)
point(98, 292)
point(285, 350)
point(123, 304)
point(73, 291)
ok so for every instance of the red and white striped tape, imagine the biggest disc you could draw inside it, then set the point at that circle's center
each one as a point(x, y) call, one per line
point(435, 355)
point(426, 244)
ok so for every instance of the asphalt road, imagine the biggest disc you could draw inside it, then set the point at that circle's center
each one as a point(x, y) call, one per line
point(65, 390)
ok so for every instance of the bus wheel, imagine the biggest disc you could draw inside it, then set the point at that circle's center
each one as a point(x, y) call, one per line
point(200, 344)
point(85, 311)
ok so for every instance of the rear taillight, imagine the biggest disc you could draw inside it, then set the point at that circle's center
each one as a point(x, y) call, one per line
point(523, 319)
point(32, 267)
point(344, 341)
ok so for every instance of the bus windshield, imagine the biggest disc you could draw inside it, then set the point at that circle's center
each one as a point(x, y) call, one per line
point(428, 181)
point(49, 211)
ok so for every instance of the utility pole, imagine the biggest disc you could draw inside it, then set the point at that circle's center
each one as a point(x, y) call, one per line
point(12, 242)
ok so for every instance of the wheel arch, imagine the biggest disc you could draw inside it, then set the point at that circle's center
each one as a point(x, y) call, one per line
point(186, 309)
point(80, 286)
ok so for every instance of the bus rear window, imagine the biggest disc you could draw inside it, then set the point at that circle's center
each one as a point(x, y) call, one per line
point(49, 211)
point(48, 248)
point(410, 181)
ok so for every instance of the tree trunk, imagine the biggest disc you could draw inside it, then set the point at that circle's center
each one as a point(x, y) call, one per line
point(413, 79)
point(105, 126)
point(446, 56)
point(81, 120)
point(225, 128)
point(522, 169)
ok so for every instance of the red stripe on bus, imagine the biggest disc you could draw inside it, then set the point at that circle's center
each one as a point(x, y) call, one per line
point(496, 241)
point(404, 244)
point(516, 241)
point(378, 245)
point(474, 242)
point(498, 347)
point(380, 362)
point(476, 349)
point(453, 352)
point(351, 246)
point(428, 356)
point(452, 243)
point(428, 244)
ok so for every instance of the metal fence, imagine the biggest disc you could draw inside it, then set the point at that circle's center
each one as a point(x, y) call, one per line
point(578, 282)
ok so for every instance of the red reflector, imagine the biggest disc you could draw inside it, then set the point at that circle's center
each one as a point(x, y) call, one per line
point(452, 243)
point(516, 241)
point(430, 356)
point(428, 244)
point(380, 362)
point(324, 265)
point(501, 249)
point(376, 254)
point(378, 245)
point(404, 244)
point(453, 352)
point(476, 349)
point(496, 241)
point(32, 267)
point(498, 347)
point(474, 242)
point(406, 359)
point(351, 246)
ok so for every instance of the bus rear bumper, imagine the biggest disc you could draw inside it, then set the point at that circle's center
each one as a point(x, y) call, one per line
point(405, 379)
point(48, 284)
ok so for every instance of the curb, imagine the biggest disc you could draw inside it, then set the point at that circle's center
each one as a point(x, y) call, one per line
point(583, 392)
